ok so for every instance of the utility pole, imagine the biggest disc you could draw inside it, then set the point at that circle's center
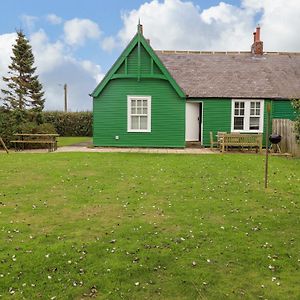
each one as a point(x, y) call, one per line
point(66, 97)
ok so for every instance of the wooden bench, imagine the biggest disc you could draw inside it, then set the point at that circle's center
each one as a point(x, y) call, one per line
point(241, 140)
point(37, 138)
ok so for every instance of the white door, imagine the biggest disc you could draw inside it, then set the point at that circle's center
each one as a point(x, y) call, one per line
point(192, 122)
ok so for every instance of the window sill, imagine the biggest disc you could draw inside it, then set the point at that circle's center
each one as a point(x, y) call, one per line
point(139, 131)
point(246, 131)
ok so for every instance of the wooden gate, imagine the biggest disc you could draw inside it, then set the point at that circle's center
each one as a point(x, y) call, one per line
point(285, 128)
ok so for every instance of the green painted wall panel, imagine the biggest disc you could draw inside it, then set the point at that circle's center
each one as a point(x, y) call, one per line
point(282, 109)
point(121, 69)
point(156, 69)
point(132, 61)
point(167, 110)
point(216, 117)
point(146, 61)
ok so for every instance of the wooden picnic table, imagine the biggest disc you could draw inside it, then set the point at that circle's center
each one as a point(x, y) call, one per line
point(36, 138)
point(243, 140)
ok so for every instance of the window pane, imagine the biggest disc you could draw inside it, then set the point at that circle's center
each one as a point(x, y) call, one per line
point(258, 112)
point(139, 103)
point(236, 112)
point(133, 110)
point(134, 122)
point(242, 104)
point(145, 103)
point(242, 112)
point(254, 123)
point(257, 104)
point(145, 111)
point(252, 104)
point(252, 111)
point(133, 103)
point(139, 110)
point(143, 121)
point(238, 123)
point(236, 104)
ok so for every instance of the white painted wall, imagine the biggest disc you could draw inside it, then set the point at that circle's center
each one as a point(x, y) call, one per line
point(192, 122)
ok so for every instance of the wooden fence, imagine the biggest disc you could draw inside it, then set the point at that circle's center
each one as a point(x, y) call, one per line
point(285, 128)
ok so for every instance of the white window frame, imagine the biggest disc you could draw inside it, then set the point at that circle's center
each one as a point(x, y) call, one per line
point(247, 115)
point(129, 114)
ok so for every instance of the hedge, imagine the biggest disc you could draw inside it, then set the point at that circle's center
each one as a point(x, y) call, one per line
point(65, 124)
point(70, 123)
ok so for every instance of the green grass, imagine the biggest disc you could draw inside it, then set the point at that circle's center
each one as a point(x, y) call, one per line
point(148, 226)
point(71, 140)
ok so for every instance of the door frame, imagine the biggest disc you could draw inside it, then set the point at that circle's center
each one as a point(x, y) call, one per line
point(201, 124)
point(201, 115)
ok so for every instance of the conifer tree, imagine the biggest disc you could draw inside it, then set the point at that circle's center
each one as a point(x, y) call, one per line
point(24, 91)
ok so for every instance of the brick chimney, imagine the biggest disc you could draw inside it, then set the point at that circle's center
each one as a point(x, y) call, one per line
point(257, 47)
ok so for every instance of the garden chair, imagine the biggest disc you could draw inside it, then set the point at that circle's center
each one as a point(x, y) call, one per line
point(220, 135)
point(212, 142)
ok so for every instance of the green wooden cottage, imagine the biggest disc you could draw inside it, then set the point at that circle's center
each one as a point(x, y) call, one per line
point(168, 98)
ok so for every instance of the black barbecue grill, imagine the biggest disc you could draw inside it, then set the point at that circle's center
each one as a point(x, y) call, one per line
point(275, 139)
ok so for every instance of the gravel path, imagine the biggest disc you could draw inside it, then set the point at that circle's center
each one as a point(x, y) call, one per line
point(136, 150)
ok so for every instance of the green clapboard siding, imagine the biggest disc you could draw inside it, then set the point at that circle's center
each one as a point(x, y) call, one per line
point(167, 110)
point(147, 66)
point(216, 117)
point(282, 109)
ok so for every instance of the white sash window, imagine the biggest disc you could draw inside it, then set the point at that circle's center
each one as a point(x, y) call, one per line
point(139, 113)
point(247, 115)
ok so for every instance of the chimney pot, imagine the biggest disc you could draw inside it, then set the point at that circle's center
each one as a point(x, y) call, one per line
point(257, 35)
point(257, 46)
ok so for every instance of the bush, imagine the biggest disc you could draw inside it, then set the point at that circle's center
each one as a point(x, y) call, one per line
point(46, 128)
point(31, 127)
point(8, 125)
point(296, 105)
point(70, 123)
point(24, 121)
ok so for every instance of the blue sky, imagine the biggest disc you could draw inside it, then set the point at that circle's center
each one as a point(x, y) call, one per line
point(77, 41)
point(105, 13)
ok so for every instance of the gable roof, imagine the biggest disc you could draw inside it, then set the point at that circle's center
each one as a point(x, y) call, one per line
point(234, 74)
point(137, 41)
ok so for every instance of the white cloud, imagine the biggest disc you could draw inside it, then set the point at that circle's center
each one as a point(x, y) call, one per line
point(77, 31)
point(54, 19)
point(6, 42)
point(48, 56)
point(280, 22)
point(29, 21)
point(109, 43)
point(177, 24)
point(94, 70)
point(174, 24)
point(55, 66)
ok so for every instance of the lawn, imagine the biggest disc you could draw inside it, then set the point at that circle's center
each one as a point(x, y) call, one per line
point(72, 140)
point(148, 226)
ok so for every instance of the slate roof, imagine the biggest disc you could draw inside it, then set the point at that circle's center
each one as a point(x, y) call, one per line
point(234, 74)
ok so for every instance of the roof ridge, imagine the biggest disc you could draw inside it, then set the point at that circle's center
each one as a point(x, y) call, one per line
point(222, 52)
